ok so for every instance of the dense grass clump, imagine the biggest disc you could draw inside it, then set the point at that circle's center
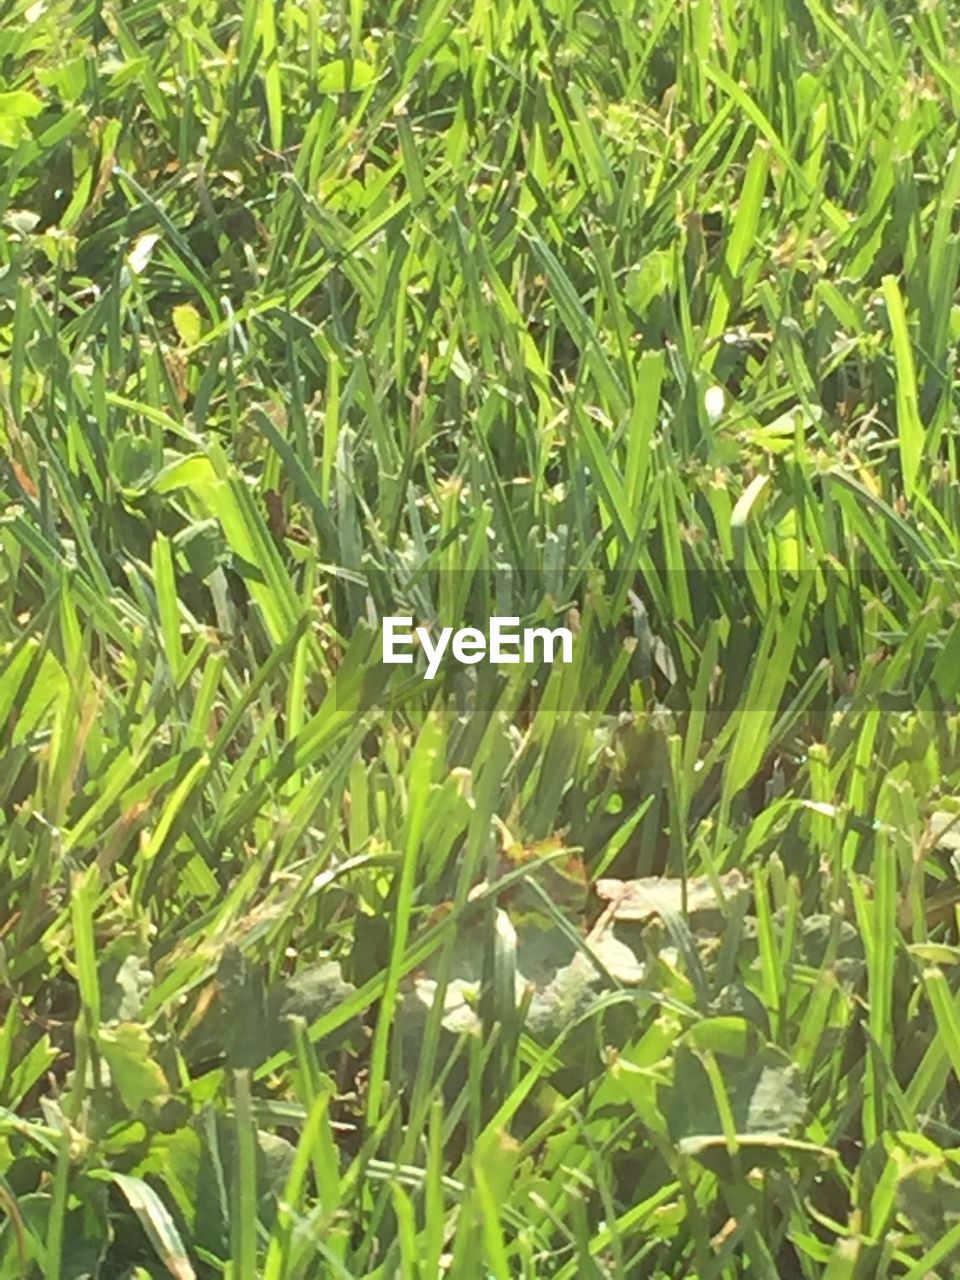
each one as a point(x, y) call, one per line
point(640, 319)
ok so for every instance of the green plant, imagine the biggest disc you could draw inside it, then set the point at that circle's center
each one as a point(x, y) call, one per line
point(641, 318)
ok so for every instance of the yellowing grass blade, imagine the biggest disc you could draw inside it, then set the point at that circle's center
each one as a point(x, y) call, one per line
point(910, 431)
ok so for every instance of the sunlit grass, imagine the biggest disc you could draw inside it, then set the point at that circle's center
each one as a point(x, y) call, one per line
point(642, 322)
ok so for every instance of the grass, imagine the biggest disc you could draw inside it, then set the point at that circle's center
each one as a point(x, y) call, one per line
point(643, 317)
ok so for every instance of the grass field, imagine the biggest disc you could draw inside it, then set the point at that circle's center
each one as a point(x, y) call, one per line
point(637, 317)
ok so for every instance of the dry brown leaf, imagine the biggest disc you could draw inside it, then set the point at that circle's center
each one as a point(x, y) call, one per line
point(655, 895)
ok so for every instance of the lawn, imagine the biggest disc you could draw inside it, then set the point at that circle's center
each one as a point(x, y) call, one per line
point(638, 319)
